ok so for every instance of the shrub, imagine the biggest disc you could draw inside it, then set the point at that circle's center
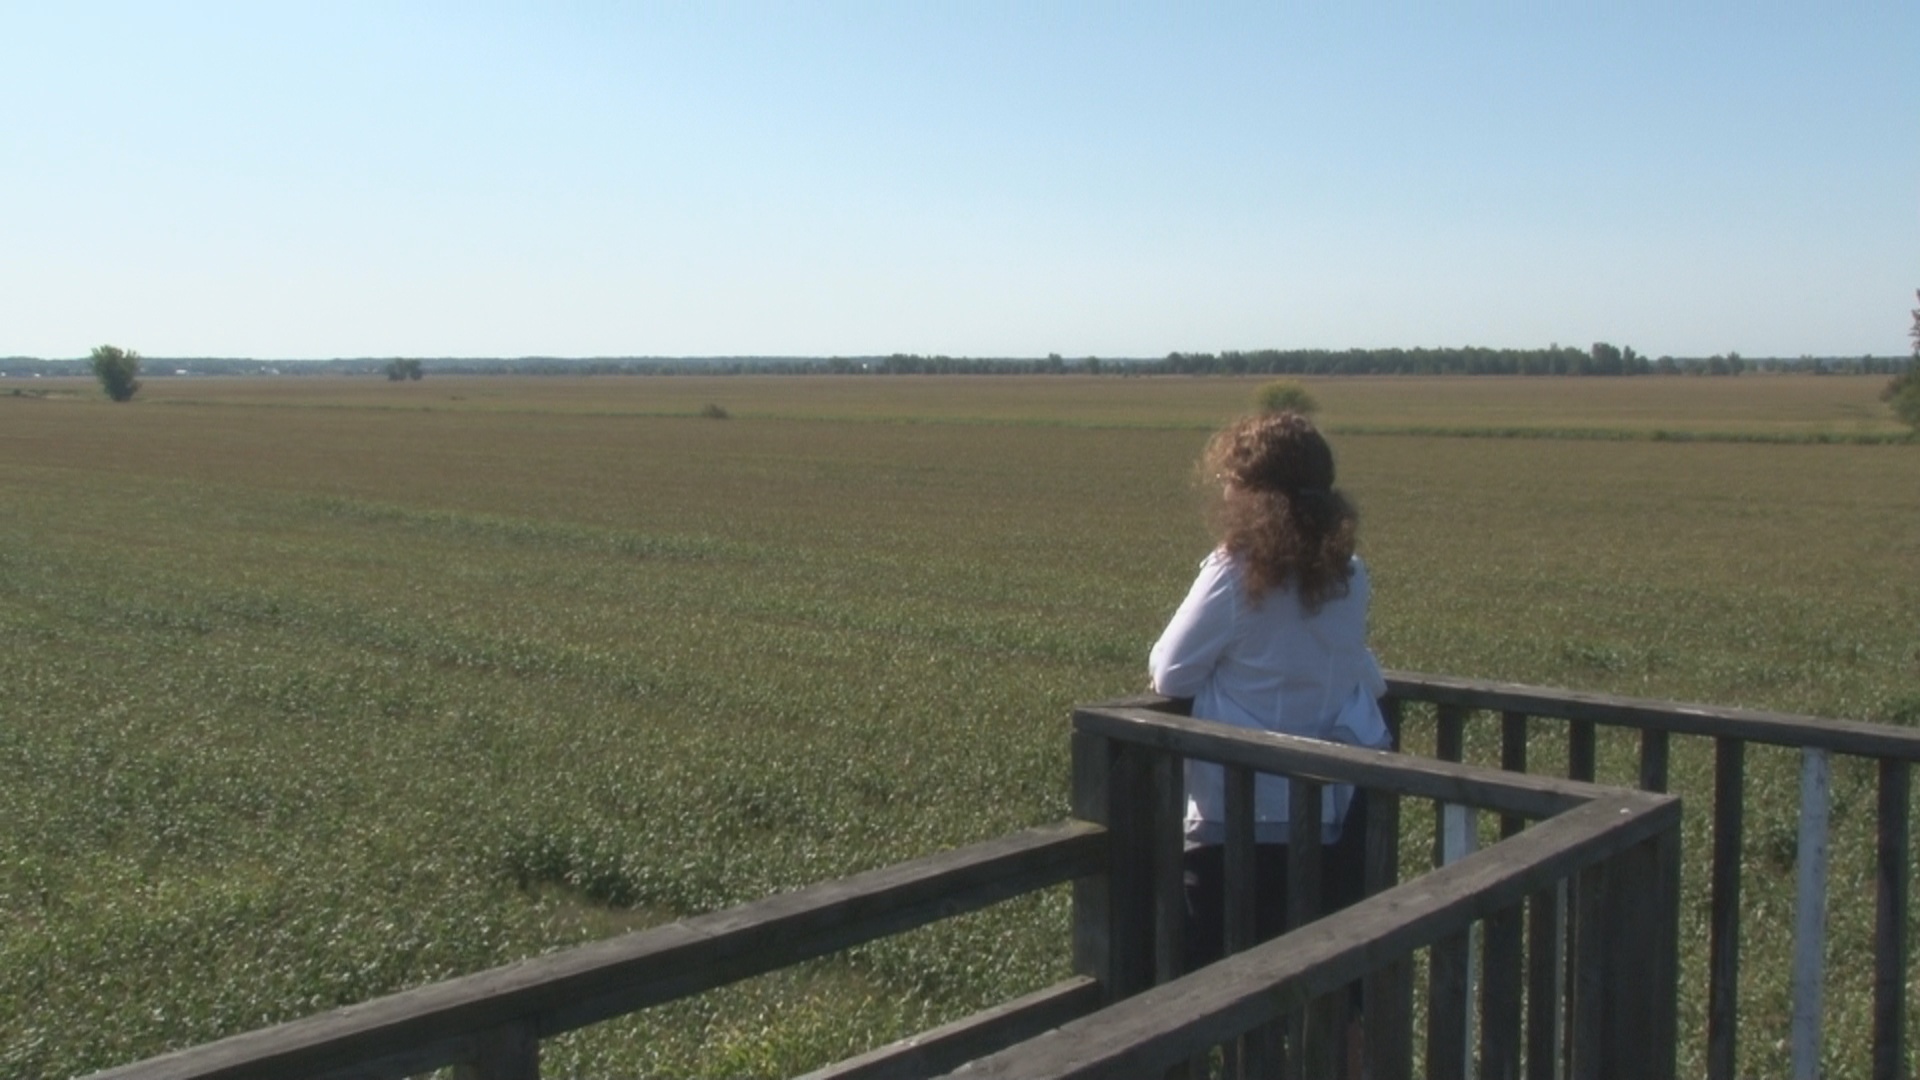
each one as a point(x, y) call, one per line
point(117, 368)
point(1284, 395)
point(1903, 393)
point(715, 412)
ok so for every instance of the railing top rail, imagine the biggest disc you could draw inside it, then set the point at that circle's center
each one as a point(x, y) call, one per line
point(1167, 1024)
point(1527, 795)
point(1780, 729)
point(432, 1025)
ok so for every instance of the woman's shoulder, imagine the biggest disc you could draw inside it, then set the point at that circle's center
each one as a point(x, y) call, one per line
point(1223, 564)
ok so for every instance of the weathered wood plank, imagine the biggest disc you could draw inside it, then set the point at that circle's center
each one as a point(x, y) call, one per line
point(1586, 1013)
point(1168, 1024)
point(1639, 928)
point(1810, 912)
point(1448, 985)
point(1130, 828)
point(1890, 923)
point(948, 1047)
point(1752, 725)
point(618, 975)
point(1513, 759)
point(1723, 943)
point(1093, 908)
point(1304, 847)
point(508, 1052)
point(1254, 1055)
point(1502, 937)
point(1169, 885)
point(1388, 991)
point(1450, 972)
point(1580, 750)
point(1654, 753)
point(1242, 901)
point(1309, 1027)
point(1533, 797)
point(1450, 732)
point(1546, 983)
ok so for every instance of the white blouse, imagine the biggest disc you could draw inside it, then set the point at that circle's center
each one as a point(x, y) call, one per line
point(1269, 665)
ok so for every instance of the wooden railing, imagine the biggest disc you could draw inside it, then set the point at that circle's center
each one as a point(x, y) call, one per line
point(1578, 913)
point(489, 1026)
point(1893, 750)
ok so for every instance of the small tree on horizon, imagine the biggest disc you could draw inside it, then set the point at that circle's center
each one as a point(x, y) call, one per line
point(1903, 390)
point(118, 370)
point(1284, 395)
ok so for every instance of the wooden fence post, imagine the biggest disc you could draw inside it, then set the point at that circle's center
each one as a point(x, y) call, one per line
point(1640, 928)
point(1113, 912)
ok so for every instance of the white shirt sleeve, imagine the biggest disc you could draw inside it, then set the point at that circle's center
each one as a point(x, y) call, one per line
point(1184, 657)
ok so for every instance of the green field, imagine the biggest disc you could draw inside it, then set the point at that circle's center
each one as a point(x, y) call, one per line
point(316, 688)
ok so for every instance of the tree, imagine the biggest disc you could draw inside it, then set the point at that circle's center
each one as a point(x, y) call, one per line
point(117, 368)
point(404, 369)
point(1903, 390)
point(1284, 395)
point(1606, 358)
point(1903, 393)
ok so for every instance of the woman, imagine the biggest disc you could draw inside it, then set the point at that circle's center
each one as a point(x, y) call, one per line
point(1273, 636)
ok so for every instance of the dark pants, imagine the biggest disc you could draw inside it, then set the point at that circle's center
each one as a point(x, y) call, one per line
point(1342, 878)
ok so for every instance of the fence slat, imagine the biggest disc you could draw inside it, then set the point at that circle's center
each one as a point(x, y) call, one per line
point(1500, 994)
point(1303, 852)
point(1723, 960)
point(1580, 750)
point(1449, 738)
point(1653, 760)
point(1513, 759)
point(1307, 1034)
point(1388, 992)
point(1252, 1055)
point(1238, 924)
point(1890, 924)
point(1585, 1045)
point(1546, 982)
point(1169, 885)
point(1810, 911)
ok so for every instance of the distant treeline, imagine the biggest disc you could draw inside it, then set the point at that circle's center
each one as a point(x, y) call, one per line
point(1600, 359)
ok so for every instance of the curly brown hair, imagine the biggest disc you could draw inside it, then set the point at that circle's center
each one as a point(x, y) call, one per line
point(1277, 510)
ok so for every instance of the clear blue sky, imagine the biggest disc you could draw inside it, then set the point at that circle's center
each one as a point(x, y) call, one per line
point(286, 181)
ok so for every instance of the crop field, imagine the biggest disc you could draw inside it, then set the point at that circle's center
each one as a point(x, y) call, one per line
point(312, 689)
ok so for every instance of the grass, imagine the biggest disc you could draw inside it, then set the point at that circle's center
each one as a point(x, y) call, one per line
point(1749, 407)
point(313, 689)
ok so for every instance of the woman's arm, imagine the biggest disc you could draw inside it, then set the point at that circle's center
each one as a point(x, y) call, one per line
point(1199, 631)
